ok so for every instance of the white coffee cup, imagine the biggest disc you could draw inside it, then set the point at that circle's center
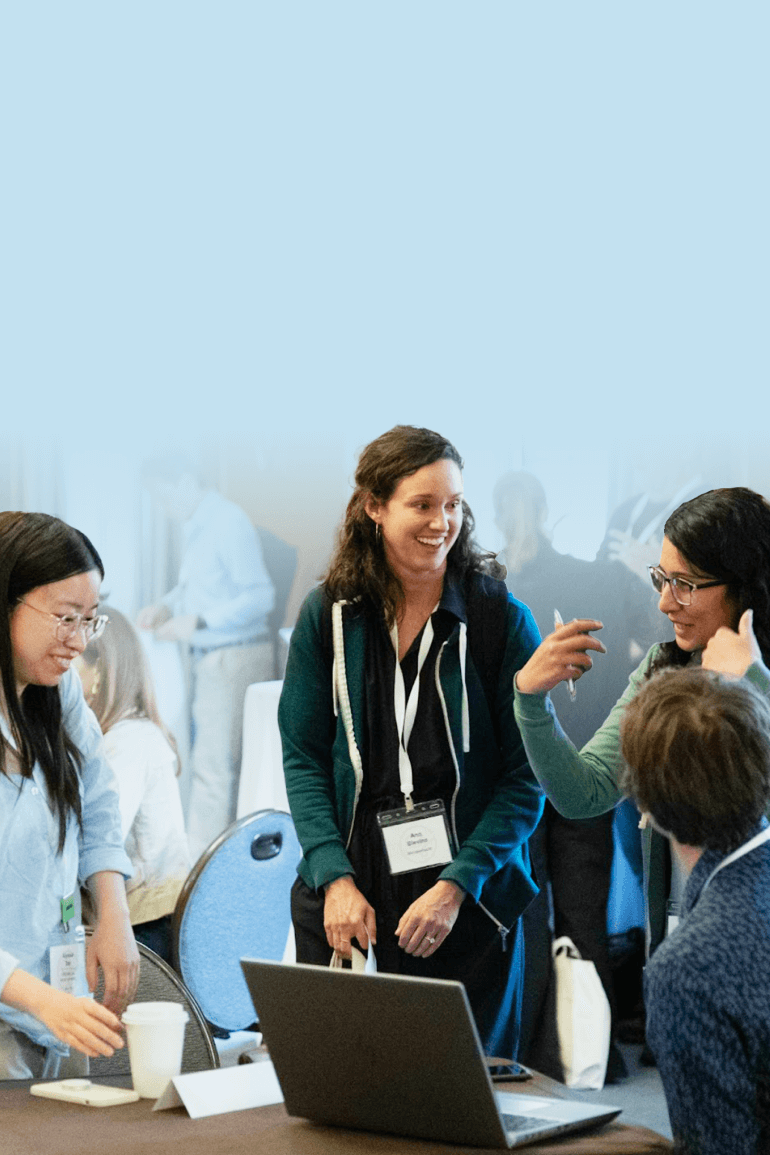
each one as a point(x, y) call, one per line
point(155, 1034)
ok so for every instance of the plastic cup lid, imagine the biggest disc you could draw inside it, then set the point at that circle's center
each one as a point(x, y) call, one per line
point(153, 1012)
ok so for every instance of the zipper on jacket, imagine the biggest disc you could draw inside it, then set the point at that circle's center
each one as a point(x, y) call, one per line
point(503, 931)
point(445, 712)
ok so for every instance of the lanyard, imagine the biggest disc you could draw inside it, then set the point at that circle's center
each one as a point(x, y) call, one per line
point(406, 710)
point(752, 844)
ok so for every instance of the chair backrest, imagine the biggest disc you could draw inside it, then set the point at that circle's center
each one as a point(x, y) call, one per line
point(158, 982)
point(235, 902)
point(280, 560)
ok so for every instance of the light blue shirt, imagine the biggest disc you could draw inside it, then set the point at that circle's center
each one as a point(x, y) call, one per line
point(34, 877)
point(222, 577)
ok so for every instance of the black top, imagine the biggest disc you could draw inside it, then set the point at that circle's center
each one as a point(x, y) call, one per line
point(433, 767)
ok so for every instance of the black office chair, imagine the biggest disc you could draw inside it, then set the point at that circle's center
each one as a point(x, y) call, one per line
point(159, 983)
point(280, 560)
point(235, 903)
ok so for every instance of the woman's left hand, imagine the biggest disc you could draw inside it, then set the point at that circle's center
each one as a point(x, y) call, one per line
point(729, 652)
point(430, 918)
point(112, 945)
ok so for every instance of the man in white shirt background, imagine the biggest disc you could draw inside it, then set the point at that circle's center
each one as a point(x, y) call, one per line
point(219, 608)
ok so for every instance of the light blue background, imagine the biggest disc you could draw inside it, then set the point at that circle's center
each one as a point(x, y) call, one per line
point(540, 228)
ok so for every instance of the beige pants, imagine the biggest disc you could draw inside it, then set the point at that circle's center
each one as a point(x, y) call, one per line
point(219, 683)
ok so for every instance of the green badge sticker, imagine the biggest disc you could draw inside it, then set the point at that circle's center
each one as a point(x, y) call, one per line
point(68, 909)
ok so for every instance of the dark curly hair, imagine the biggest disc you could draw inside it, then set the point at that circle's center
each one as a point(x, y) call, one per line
point(35, 550)
point(725, 533)
point(696, 748)
point(358, 568)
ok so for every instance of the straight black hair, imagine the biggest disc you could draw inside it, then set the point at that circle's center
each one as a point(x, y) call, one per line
point(36, 550)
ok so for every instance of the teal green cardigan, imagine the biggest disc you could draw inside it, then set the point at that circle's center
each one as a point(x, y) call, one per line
point(497, 801)
point(583, 784)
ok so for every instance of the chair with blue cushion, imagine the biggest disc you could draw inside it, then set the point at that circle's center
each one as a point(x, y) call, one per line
point(235, 903)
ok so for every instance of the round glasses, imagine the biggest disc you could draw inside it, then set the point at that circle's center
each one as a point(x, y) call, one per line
point(681, 589)
point(67, 625)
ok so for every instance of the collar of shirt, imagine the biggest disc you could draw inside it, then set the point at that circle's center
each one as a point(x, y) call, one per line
point(452, 599)
point(703, 869)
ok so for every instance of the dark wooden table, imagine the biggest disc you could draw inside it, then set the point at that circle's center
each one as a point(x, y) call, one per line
point(33, 1126)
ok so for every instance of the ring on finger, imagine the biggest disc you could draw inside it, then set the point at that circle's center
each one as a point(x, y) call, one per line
point(430, 939)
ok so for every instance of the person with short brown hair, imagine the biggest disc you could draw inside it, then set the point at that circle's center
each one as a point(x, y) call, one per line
point(696, 746)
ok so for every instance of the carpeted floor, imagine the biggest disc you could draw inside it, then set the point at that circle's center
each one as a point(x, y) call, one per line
point(640, 1095)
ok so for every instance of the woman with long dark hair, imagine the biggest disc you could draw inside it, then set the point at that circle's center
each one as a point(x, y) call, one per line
point(714, 584)
point(405, 772)
point(59, 818)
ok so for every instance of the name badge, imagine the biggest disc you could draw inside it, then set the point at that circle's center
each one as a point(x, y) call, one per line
point(417, 838)
point(68, 962)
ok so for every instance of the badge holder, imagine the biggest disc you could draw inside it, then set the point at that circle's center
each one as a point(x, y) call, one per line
point(416, 837)
point(67, 954)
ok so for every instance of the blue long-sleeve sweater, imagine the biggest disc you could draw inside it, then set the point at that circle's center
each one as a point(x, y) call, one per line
point(707, 995)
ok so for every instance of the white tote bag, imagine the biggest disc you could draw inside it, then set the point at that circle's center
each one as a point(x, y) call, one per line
point(582, 1017)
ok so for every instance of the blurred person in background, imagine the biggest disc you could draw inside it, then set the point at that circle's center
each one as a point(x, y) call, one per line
point(634, 531)
point(577, 855)
point(142, 754)
point(219, 609)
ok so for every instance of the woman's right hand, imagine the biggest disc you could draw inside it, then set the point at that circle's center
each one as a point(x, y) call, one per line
point(560, 656)
point(80, 1022)
point(347, 915)
point(83, 1023)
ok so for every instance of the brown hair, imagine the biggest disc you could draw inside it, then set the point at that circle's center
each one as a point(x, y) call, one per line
point(123, 685)
point(358, 569)
point(697, 750)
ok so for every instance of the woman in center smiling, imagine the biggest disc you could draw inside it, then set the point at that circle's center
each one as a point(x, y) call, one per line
point(405, 772)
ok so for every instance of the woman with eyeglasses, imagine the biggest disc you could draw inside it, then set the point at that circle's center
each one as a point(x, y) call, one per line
point(59, 816)
point(714, 586)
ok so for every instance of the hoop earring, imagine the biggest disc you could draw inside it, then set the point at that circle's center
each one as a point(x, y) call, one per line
point(377, 532)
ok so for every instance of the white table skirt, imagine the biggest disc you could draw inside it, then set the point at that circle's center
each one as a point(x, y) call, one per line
point(261, 785)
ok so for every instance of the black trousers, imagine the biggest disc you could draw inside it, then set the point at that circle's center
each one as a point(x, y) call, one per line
point(472, 954)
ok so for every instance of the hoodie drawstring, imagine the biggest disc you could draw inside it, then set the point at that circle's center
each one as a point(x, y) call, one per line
point(465, 713)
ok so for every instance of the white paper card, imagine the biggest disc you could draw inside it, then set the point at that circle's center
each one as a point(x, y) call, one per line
point(417, 844)
point(226, 1089)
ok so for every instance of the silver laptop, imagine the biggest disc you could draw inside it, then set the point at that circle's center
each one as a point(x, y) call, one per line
point(395, 1054)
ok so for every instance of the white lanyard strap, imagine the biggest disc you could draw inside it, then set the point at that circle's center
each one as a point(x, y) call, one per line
point(407, 710)
point(752, 844)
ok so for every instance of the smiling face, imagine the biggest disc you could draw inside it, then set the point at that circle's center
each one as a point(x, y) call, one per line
point(39, 657)
point(421, 521)
point(696, 624)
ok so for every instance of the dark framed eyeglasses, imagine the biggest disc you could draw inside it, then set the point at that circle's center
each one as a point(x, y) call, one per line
point(680, 588)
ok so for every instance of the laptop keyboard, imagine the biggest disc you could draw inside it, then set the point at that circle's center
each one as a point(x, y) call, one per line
point(516, 1124)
